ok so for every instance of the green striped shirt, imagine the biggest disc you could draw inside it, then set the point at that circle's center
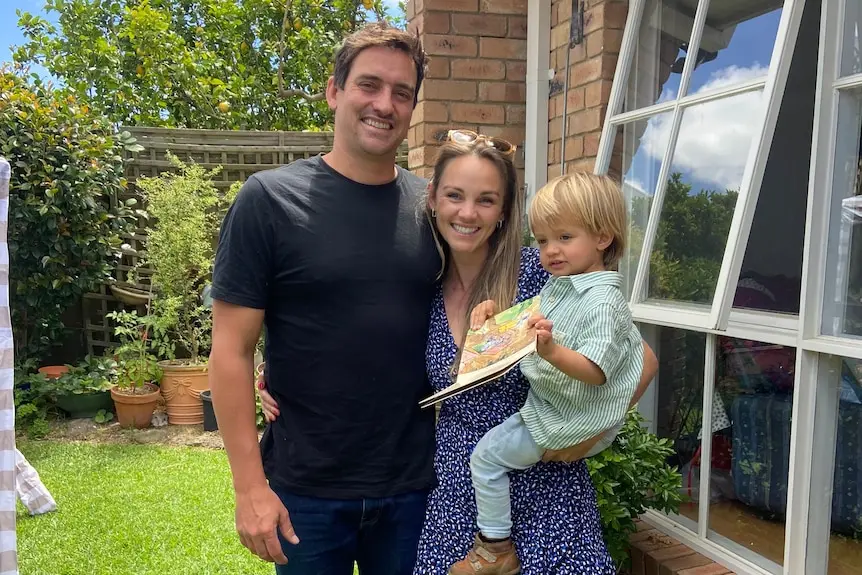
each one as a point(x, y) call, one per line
point(591, 316)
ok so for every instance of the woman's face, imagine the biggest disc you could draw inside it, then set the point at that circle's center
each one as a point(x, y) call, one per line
point(469, 202)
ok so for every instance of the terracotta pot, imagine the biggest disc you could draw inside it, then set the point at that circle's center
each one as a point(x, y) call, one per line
point(182, 385)
point(53, 371)
point(135, 410)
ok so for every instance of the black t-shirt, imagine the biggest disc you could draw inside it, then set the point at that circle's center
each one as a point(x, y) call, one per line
point(346, 274)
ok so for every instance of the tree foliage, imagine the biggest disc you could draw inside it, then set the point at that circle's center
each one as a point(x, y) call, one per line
point(64, 236)
point(690, 242)
point(197, 63)
point(630, 477)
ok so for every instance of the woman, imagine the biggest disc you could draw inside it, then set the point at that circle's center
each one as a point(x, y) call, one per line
point(477, 210)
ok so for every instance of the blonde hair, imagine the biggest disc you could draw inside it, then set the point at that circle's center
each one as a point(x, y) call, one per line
point(498, 279)
point(590, 201)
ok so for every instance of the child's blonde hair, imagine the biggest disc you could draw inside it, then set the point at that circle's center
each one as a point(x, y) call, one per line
point(590, 201)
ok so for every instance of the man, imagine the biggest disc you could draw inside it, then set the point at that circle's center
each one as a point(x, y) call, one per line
point(328, 253)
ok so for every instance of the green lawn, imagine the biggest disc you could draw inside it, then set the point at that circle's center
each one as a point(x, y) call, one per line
point(132, 509)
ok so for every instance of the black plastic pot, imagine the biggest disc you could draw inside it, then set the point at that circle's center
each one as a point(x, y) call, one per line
point(210, 423)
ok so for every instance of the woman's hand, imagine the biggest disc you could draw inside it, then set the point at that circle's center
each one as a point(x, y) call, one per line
point(267, 403)
point(573, 453)
point(481, 313)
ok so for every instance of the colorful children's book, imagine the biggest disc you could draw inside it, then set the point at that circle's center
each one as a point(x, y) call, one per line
point(492, 350)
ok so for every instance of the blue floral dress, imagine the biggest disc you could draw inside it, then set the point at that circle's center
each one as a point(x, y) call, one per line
point(556, 525)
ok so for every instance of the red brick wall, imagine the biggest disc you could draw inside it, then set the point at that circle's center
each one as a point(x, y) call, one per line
point(476, 76)
point(591, 71)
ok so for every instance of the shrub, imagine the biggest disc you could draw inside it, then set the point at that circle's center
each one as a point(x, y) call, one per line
point(630, 477)
point(186, 209)
point(65, 220)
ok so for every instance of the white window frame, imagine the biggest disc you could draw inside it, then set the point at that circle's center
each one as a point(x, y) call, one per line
point(812, 447)
point(537, 97)
point(813, 437)
point(717, 314)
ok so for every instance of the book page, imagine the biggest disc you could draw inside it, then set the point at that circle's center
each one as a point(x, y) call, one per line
point(492, 350)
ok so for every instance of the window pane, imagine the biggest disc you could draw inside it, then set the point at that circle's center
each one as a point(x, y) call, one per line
point(842, 306)
point(640, 165)
point(706, 172)
point(771, 275)
point(736, 44)
point(679, 410)
point(851, 45)
point(751, 426)
point(845, 545)
point(656, 69)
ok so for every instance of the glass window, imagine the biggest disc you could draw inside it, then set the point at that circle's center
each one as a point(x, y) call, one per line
point(842, 306)
point(655, 71)
point(751, 422)
point(705, 177)
point(679, 411)
point(736, 44)
point(641, 167)
point(851, 48)
point(770, 278)
point(845, 543)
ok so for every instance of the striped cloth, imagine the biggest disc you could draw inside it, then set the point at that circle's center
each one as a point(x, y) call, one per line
point(8, 455)
point(591, 316)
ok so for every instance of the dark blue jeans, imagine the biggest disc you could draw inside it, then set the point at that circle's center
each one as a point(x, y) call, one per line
point(380, 535)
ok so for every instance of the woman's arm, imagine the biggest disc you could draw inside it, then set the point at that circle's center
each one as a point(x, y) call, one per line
point(576, 452)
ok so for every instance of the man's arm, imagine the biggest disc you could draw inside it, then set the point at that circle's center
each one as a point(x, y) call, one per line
point(231, 373)
point(259, 511)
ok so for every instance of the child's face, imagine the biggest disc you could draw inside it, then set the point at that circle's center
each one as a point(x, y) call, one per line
point(570, 250)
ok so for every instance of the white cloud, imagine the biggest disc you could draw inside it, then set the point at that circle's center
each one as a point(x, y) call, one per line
point(714, 138)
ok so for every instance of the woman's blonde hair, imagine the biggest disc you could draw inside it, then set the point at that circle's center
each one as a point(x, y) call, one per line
point(590, 201)
point(498, 279)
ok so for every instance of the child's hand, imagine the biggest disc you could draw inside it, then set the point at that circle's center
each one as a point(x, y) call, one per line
point(481, 313)
point(544, 339)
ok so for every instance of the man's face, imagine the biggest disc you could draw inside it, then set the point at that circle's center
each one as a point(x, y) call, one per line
point(372, 112)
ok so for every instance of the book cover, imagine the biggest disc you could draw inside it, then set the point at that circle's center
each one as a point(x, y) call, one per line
point(492, 350)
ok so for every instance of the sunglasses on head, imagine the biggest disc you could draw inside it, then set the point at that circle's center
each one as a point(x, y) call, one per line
point(470, 137)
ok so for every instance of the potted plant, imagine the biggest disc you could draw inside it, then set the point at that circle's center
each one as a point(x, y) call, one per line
point(136, 391)
point(184, 207)
point(84, 389)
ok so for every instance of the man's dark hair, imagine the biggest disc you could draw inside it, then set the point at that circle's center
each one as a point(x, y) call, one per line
point(377, 34)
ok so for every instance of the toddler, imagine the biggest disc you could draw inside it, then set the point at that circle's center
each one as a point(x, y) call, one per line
point(588, 362)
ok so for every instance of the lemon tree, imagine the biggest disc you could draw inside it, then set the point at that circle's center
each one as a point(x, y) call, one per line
point(227, 64)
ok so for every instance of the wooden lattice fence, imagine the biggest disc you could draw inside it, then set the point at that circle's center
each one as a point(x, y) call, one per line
point(239, 153)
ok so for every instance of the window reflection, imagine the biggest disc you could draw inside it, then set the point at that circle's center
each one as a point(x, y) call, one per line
point(748, 489)
point(842, 306)
point(654, 75)
point(771, 275)
point(736, 46)
point(679, 410)
point(845, 545)
point(851, 49)
point(705, 177)
point(639, 181)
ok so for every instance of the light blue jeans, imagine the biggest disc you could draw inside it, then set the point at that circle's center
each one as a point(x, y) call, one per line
point(504, 448)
